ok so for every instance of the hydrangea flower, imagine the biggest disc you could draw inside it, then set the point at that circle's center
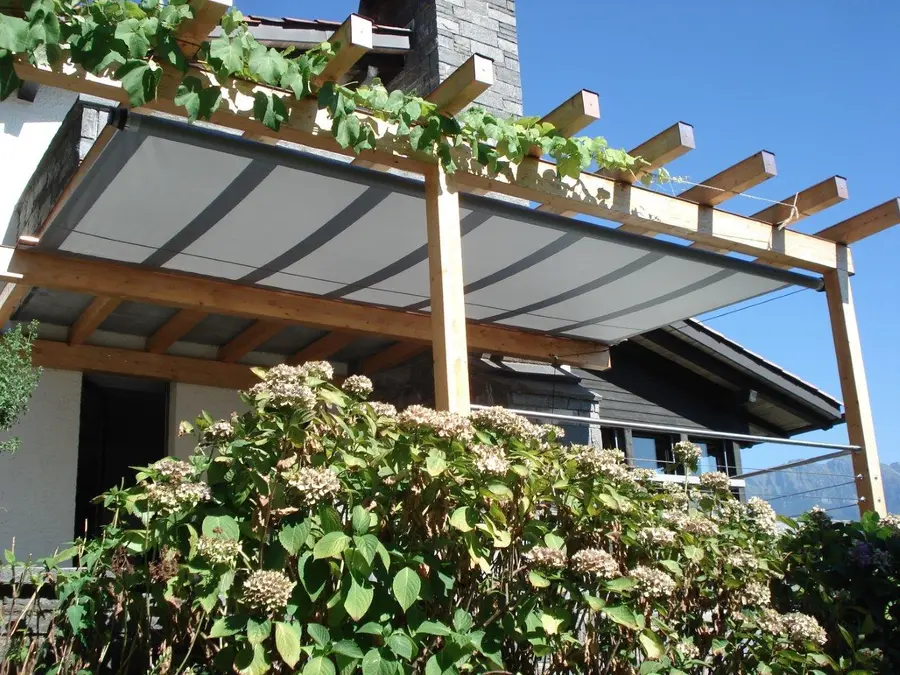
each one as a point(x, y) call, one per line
point(383, 409)
point(218, 551)
point(653, 583)
point(312, 485)
point(597, 562)
point(490, 460)
point(267, 591)
point(715, 481)
point(603, 461)
point(687, 453)
point(656, 536)
point(358, 385)
point(543, 556)
point(761, 514)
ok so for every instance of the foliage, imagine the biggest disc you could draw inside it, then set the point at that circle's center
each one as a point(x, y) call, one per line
point(847, 575)
point(322, 534)
point(17, 379)
point(136, 43)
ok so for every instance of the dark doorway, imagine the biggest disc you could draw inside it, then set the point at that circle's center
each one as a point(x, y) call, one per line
point(123, 424)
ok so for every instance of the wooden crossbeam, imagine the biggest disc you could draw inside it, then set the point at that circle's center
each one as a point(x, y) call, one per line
point(11, 297)
point(580, 111)
point(91, 318)
point(864, 224)
point(533, 179)
point(193, 32)
point(89, 358)
point(463, 85)
point(325, 347)
point(665, 147)
point(808, 202)
point(255, 335)
point(173, 289)
point(352, 39)
point(733, 180)
point(393, 356)
point(174, 329)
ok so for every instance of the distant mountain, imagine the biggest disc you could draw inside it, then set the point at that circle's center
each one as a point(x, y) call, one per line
point(816, 483)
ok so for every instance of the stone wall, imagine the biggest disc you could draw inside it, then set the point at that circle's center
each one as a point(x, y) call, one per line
point(446, 33)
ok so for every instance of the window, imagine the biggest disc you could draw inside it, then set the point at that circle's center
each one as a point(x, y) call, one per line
point(716, 455)
point(652, 451)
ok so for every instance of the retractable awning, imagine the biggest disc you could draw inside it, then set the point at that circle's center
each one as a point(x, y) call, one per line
point(275, 217)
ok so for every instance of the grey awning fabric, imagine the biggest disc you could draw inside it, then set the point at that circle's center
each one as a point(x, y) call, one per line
point(169, 195)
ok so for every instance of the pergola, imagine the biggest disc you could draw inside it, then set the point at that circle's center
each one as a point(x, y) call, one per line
point(50, 257)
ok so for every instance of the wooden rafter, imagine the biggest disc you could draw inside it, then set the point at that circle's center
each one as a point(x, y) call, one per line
point(89, 358)
point(733, 180)
point(91, 318)
point(255, 335)
point(665, 147)
point(323, 348)
point(11, 297)
point(533, 179)
point(392, 356)
point(805, 203)
point(174, 329)
point(864, 224)
point(183, 291)
point(193, 32)
point(580, 111)
point(352, 39)
point(464, 85)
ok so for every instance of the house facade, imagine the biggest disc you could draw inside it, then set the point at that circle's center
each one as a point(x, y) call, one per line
point(89, 423)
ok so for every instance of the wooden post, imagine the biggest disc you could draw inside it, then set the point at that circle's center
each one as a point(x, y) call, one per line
point(857, 409)
point(448, 310)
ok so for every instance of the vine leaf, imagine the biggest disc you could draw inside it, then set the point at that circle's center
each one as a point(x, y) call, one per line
point(269, 109)
point(140, 80)
point(9, 81)
point(268, 64)
point(13, 34)
point(199, 102)
point(170, 52)
point(131, 32)
point(43, 24)
point(227, 54)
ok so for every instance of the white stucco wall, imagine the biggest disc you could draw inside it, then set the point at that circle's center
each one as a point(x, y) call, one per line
point(37, 483)
point(26, 130)
point(187, 401)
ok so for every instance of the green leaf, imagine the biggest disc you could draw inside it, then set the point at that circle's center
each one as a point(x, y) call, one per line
point(358, 600)
point(432, 628)
point(269, 110)
point(673, 567)
point(621, 584)
point(268, 65)
point(293, 537)
point(652, 645)
point(75, 614)
point(346, 130)
point(331, 545)
point(199, 102)
point(402, 646)
point(287, 642)
point(251, 660)
point(227, 626)
point(170, 51)
point(554, 541)
point(694, 553)
point(140, 81)
point(258, 631)
point(221, 527)
point(649, 667)
point(320, 665)
point(13, 34)
point(9, 81)
point(462, 519)
point(361, 521)
point(319, 634)
point(348, 648)
point(551, 622)
point(406, 587)
point(43, 24)
point(462, 621)
point(622, 616)
point(131, 32)
point(227, 54)
point(537, 579)
point(374, 663)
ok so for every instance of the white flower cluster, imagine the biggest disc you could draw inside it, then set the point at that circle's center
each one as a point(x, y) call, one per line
point(741, 560)
point(715, 481)
point(595, 561)
point(688, 650)
point(642, 475)
point(285, 394)
point(656, 536)
point(687, 453)
point(653, 583)
point(696, 524)
point(606, 461)
point(762, 516)
point(891, 520)
point(174, 488)
point(797, 627)
point(383, 409)
point(818, 516)
point(490, 460)
point(220, 431)
point(548, 430)
point(173, 470)
point(313, 485)
point(543, 556)
point(217, 550)
point(321, 370)
point(444, 424)
point(502, 421)
point(753, 594)
point(732, 510)
point(358, 385)
point(267, 591)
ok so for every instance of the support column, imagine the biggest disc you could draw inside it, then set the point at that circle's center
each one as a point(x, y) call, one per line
point(857, 409)
point(448, 311)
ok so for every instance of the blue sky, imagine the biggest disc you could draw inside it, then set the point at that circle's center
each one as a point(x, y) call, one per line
point(814, 81)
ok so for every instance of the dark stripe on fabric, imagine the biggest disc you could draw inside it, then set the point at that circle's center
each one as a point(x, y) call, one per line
point(690, 288)
point(339, 223)
point(237, 191)
point(111, 162)
point(466, 225)
point(615, 275)
point(512, 269)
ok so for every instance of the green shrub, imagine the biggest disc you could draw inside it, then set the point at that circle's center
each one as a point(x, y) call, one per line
point(847, 575)
point(17, 379)
point(322, 534)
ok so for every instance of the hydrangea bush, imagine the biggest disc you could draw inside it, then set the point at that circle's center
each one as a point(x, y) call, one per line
point(321, 533)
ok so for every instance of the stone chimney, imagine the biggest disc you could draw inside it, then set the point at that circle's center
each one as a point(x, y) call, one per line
point(445, 34)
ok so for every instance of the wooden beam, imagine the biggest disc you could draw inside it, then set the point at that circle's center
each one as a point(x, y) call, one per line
point(11, 297)
point(448, 308)
point(257, 334)
point(857, 408)
point(392, 356)
point(352, 40)
point(91, 318)
point(864, 224)
point(665, 147)
point(174, 329)
point(195, 31)
point(325, 347)
point(463, 85)
point(810, 201)
point(733, 180)
point(580, 111)
point(534, 180)
point(89, 358)
point(173, 289)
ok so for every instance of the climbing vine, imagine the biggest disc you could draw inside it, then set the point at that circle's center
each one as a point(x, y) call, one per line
point(133, 42)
